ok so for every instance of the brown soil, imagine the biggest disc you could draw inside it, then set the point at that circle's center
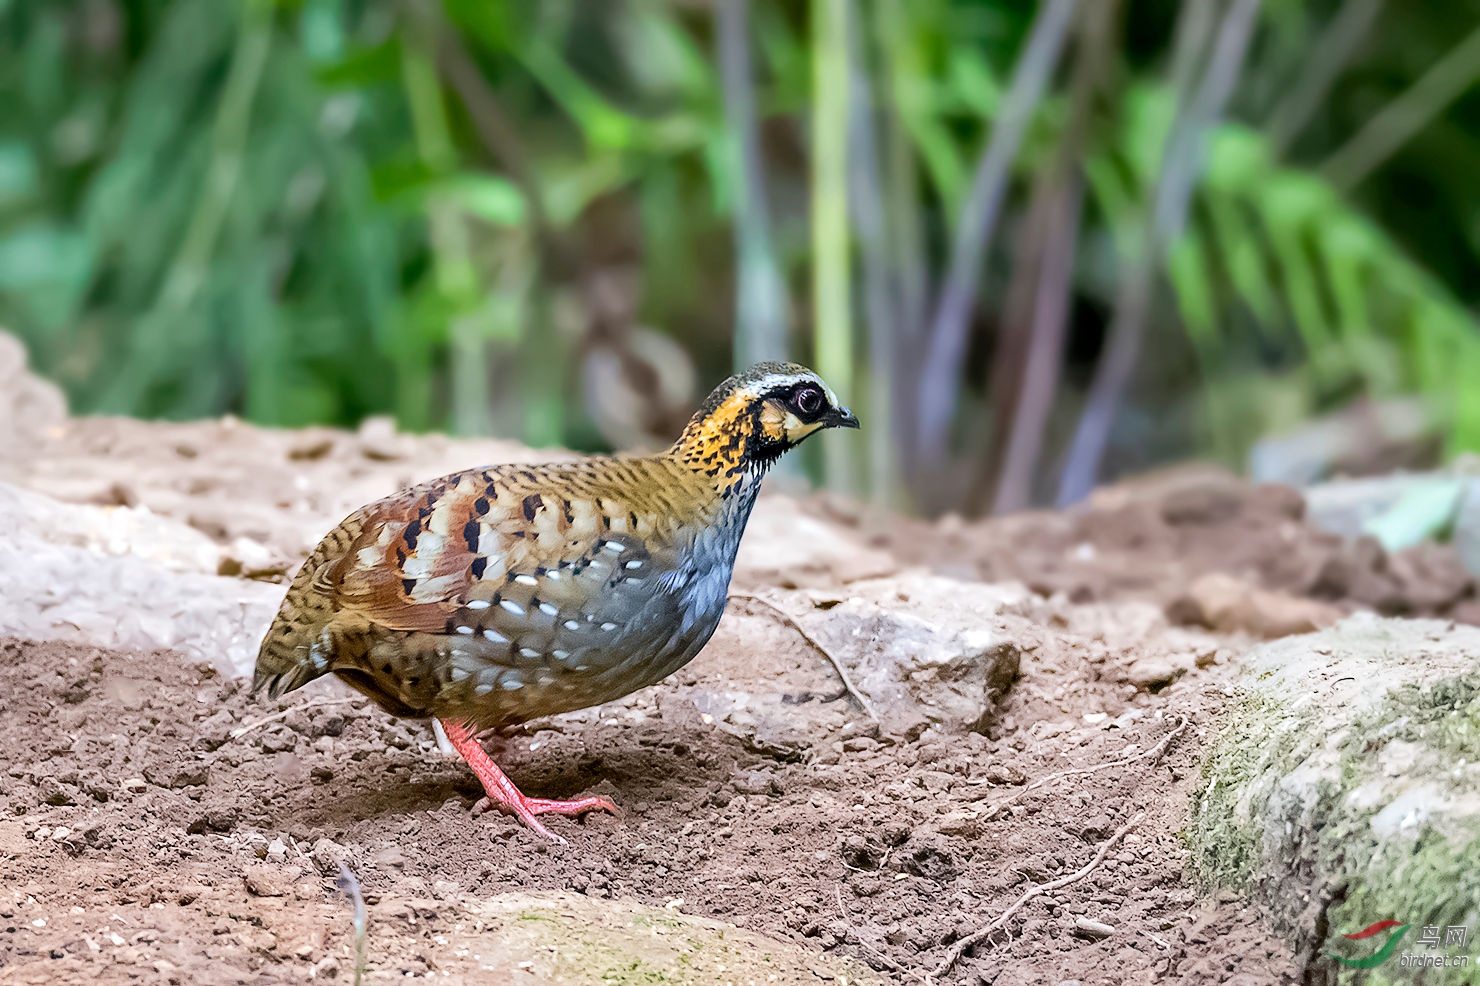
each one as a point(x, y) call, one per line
point(1151, 539)
point(144, 836)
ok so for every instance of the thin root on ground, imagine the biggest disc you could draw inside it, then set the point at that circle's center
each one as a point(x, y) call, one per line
point(959, 949)
point(842, 672)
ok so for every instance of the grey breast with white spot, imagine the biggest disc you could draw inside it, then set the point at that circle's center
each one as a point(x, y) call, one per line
point(618, 618)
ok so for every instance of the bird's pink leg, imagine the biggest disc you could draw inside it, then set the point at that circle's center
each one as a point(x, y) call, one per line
point(502, 792)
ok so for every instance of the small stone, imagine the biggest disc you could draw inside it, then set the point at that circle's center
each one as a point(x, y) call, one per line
point(756, 782)
point(326, 969)
point(1152, 672)
point(328, 856)
point(270, 880)
point(214, 820)
point(279, 741)
point(963, 824)
point(192, 775)
point(1000, 773)
point(1091, 929)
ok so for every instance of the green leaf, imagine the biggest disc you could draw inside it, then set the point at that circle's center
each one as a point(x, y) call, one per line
point(45, 267)
point(1243, 255)
point(19, 180)
point(1188, 269)
point(1425, 511)
point(489, 197)
point(1238, 160)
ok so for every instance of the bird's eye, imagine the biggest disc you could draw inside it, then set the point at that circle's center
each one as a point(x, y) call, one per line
point(807, 400)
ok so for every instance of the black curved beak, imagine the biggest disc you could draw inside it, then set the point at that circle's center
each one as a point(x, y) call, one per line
point(840, 417)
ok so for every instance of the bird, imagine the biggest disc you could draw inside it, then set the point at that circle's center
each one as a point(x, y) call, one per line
point(493, 596)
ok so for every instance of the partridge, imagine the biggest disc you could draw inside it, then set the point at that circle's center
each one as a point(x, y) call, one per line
point(494, 596)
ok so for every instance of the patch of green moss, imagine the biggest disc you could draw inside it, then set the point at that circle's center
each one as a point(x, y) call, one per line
point(1425, 881)
point(1435, 884)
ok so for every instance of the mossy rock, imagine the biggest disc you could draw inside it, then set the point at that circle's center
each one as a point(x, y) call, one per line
point(1343, 789)
point(566, 939)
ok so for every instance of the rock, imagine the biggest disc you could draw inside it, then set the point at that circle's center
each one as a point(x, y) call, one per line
point(1343, 786)
point(29, 405)
point(1152, 673)
point(963, 824)
point(999, 773)
point(113, 531)
point(177, 776)
point(1364, 438)
point(329, 857)
point(920, 645)
point(1223, 602)
point(161, 590)
point(270, 879)
point(1093, 930)
point(576, 940)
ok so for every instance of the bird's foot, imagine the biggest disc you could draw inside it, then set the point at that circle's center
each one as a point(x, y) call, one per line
point(502, 793)
point(527, 808)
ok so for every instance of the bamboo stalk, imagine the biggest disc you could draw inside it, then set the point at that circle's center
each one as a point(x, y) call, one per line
point(1181, 165)
point(453, 270)
point(761, 324)
point(940, 379)
point(880, 308)
point(832, 319)
point(1397, 122)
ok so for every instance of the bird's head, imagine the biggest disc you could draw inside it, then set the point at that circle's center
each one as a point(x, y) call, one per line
point(750, 419)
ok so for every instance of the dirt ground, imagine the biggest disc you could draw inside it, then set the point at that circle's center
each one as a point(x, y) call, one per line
point(158, 824)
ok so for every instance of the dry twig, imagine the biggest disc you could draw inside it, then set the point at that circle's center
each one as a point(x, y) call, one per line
point(996, 810)
point(959, 949)
point(837, 665)
point(241, 731)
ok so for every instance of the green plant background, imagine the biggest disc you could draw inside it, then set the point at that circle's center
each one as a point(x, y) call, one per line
point(320, 210)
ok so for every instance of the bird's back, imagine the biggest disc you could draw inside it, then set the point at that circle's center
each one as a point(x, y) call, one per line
point(497, 595)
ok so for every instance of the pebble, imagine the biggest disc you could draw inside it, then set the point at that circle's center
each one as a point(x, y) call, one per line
point(1094, 930)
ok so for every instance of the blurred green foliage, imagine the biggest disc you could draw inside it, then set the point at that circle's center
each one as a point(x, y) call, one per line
point(465, 213)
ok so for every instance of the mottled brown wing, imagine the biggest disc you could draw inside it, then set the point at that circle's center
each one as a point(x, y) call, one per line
point(403, 570)
point(517, 555)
